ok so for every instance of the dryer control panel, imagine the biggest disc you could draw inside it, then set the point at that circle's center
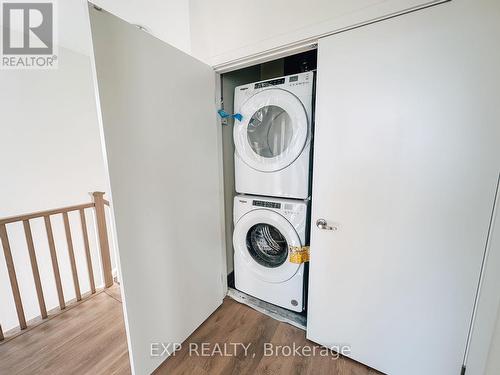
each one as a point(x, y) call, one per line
point(272, 82)
point(301, 82)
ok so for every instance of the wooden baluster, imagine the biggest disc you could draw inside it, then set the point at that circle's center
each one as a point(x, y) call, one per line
point(55, 265)
point(12, 276)
point(34, 268)
point(103, 238)
point(87, 250)
point(71, 253)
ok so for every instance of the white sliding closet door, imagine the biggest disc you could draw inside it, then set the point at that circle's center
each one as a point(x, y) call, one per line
point(164, 159)
point(406, 162)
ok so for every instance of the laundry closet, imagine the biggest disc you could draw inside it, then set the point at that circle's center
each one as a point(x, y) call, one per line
point(392, 182)
point(267, 153)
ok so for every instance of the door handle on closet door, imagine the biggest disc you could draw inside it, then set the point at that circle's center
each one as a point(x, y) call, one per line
point(322, 224)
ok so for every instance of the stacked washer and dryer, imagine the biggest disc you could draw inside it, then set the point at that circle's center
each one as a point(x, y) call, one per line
point(272, 178)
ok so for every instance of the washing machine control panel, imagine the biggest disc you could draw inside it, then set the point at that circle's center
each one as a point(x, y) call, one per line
point(295, 211)
point(267, 204)
point(284, 208)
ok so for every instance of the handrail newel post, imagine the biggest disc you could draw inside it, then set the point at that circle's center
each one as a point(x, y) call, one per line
point(103, 238)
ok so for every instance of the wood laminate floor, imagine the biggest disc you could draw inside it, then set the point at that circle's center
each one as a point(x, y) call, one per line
point(234, 324)
point(90, 339)
point(87, 339)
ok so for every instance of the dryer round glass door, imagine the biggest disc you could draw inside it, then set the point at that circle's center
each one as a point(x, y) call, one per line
point(273, 131)
point(270, 131)
point(261, 240)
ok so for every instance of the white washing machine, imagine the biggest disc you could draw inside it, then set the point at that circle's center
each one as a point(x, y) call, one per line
point(273, 139)
point(264, 228)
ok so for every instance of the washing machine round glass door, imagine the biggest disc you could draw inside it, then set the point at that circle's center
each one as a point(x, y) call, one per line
point(262, 239)
point(273, 131)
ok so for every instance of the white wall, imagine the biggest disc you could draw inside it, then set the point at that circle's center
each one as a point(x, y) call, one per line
point(225, 30)
point(167, 20)
point(50, 156)
point(219, 31)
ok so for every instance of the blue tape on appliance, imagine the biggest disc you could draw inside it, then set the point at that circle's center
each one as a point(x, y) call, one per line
point(224, 114)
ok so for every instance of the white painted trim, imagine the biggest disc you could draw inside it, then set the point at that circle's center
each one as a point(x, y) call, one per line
point(218, 104)
point(265, 56)
point(305, 44)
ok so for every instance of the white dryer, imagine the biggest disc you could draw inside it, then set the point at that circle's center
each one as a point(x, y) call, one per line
point(273, 139)
point(264, 228)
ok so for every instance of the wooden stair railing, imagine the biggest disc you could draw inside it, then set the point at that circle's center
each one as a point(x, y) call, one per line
point(98, 204)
